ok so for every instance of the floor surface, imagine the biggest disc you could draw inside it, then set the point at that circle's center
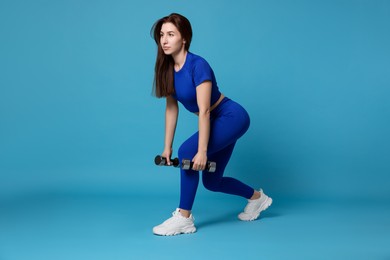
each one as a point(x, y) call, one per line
point(59, 226)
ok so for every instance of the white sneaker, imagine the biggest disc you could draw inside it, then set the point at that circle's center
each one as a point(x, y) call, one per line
point(175, 225)
point(254, 207)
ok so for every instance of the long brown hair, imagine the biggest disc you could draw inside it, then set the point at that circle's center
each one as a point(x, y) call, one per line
point(163, 84)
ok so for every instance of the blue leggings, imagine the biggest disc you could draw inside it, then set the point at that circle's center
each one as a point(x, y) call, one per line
point(228, 122)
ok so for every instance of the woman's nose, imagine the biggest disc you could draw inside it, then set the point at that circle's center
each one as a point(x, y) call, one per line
point(164, 39)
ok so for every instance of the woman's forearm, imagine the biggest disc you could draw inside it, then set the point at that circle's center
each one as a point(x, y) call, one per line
point(204, 130)
point(171, 115)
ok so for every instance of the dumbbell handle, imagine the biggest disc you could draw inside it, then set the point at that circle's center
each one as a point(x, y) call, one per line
point(188, 164)
point(185, 163)
point(162, 161)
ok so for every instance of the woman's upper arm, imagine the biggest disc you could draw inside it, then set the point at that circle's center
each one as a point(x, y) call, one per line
point(203, 96)
point(171, 102)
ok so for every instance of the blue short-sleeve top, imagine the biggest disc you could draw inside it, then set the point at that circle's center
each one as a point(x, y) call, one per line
point(195, 71)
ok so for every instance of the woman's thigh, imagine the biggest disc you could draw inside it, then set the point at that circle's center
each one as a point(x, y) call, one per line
point(226, 126)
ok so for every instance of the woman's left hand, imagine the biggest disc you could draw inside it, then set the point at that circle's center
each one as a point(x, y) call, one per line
point(200, 161)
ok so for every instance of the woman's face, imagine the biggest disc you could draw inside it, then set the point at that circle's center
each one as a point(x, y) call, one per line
point(170, 39)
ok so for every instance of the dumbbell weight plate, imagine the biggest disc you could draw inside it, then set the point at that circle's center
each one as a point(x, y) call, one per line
point(187, 164)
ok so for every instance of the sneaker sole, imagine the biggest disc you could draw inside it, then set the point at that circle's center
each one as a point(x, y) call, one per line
point(262, 207)
point(188, 230)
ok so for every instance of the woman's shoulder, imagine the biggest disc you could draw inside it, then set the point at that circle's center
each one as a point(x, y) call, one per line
point(197, 60)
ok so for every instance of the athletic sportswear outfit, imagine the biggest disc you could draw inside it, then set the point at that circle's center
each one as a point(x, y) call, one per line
point(228, 122)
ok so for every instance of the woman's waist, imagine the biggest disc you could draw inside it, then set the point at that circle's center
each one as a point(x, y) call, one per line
point(220, 100)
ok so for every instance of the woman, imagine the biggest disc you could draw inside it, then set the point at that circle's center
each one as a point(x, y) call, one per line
point(185, 77)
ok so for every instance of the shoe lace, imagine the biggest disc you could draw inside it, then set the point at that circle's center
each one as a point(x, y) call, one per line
point(177, 217)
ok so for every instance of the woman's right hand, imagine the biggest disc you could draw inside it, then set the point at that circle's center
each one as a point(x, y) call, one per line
point(167, 153)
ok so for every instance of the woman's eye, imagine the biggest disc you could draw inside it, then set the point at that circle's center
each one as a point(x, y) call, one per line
point(171, 35)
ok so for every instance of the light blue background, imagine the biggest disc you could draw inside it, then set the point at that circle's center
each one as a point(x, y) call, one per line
point(79, 129)
point(76, 109)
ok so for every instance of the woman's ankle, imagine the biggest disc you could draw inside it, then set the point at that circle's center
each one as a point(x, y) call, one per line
point(256, 195)
point(185, 213)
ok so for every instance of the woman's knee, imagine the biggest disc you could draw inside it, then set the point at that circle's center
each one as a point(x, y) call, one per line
point(189, 148)
point(185, 151)
point(211, 184)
